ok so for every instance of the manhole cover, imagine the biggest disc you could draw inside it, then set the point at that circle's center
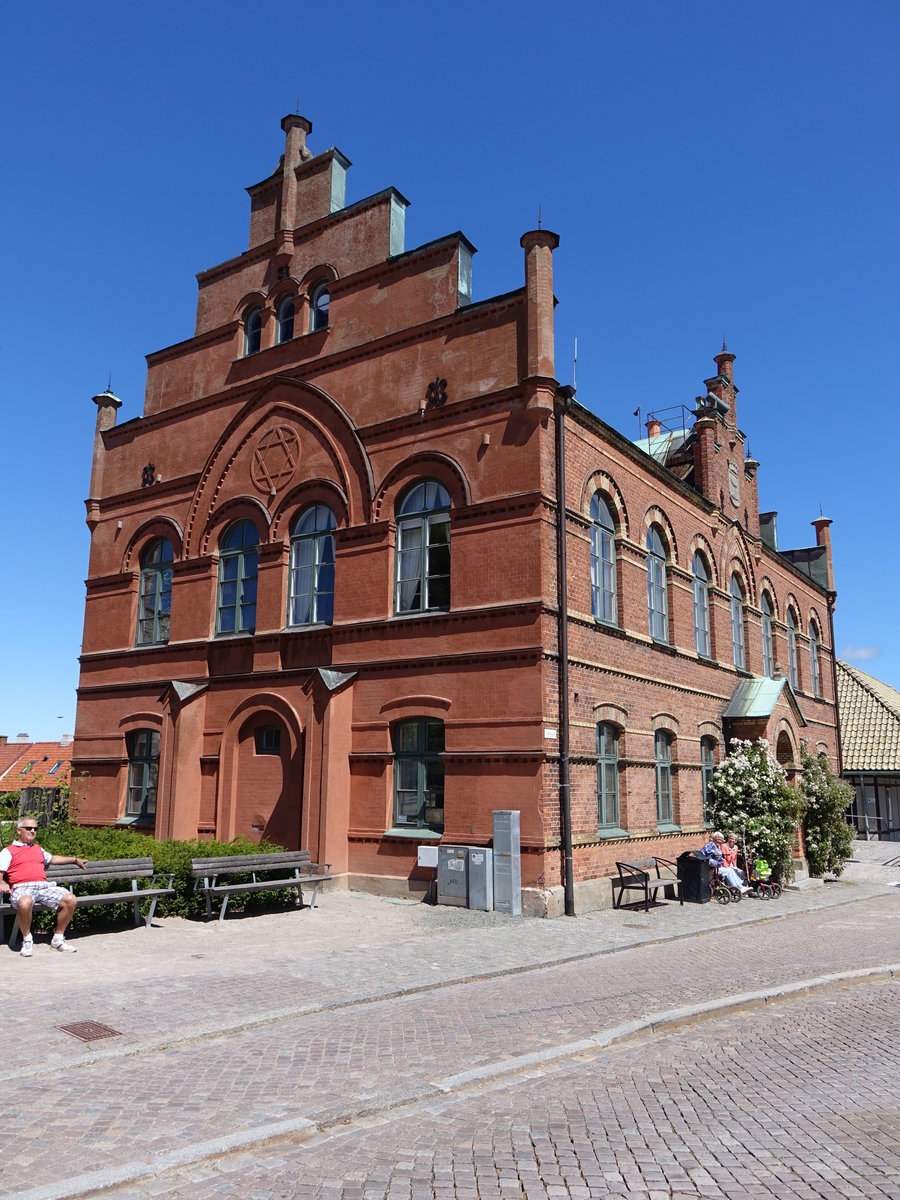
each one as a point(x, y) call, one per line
point(89, 1031)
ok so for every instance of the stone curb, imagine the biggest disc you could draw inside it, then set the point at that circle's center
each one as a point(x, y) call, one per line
point(95, 1183)
point(224, 1028)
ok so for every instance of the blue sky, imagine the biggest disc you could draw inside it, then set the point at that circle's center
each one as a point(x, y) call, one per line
point(710, 168)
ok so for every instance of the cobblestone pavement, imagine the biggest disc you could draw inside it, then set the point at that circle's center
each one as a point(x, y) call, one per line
point(283, 1024)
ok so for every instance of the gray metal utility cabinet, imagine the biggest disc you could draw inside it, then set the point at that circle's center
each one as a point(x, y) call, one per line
point(507, 862)
point(453, 875)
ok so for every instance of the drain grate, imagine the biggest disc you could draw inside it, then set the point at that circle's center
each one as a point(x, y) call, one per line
point(89, 1031)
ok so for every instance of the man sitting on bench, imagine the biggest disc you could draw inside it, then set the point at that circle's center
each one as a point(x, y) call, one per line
point(23, 875)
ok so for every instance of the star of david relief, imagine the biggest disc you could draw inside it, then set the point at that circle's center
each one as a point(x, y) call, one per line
point(275, 459)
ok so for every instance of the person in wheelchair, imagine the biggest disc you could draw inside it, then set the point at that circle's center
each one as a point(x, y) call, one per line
point(713, 852)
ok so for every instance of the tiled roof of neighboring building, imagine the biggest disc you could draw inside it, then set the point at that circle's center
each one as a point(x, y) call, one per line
point(869, 712)
point(34, 764)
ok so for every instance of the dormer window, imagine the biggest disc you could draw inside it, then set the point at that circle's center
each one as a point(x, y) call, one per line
point(319, 301)
point(252, 332)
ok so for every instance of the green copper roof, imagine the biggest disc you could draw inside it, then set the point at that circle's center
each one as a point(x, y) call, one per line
point(755, 697)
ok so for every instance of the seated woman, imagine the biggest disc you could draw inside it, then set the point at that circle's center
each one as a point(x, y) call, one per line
point(714, 852)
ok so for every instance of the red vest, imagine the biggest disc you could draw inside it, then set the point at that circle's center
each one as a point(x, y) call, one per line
point(27, 865)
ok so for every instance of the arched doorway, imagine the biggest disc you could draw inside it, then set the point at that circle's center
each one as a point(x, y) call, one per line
point(263, 780)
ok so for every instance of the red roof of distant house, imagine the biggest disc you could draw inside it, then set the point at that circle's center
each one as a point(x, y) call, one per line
point(34, 764)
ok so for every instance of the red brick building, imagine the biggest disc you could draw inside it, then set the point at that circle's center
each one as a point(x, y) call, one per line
point(323, 596)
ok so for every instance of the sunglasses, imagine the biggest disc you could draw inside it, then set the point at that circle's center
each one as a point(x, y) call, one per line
point(29, 828)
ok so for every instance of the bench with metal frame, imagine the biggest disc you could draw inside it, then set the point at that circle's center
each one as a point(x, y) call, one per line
point(646, 877)
point(206, 873)
point(135, 870)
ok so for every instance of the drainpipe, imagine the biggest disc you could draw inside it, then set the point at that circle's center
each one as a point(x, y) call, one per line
point(834, 683)
point(565, 396)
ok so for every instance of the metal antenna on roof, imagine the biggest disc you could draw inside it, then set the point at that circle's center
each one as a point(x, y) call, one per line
point(539, 216)
point(637, 413)
point(575, 363)
point(109, 383)
point(724, 347)
point(298, 106)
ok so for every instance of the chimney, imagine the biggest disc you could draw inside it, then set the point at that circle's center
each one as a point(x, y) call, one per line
point(822, 527)
point(22, 737)
point(66, 740)
point(2, 739)
point(108, 406)
point(295, 152)
point(722, 384)
point(539, 245)
point(653, 427)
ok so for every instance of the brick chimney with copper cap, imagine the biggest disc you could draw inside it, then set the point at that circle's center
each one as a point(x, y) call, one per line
point(539, 384)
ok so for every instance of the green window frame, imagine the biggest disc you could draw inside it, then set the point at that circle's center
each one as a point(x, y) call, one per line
point(707, 770)
point(311, 587)
point(143, 772)
point(419, 774)
point(155, 594)
point(738, 653)
point(815, 683)
point(238, 566)
point(662, 745)
point(422, 582)
point(603, 561)
point(768, 645)
point(657, 585)
point(607, 776)
point(701, 606)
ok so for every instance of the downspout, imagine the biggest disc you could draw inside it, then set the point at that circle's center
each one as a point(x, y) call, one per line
point(834, 681)
point(565, 396)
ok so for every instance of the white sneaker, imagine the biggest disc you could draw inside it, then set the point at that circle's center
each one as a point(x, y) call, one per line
point(61, 944)
point(745, 890)
point(27, 947)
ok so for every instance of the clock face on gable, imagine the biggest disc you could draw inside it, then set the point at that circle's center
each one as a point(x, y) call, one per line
point(734, 483)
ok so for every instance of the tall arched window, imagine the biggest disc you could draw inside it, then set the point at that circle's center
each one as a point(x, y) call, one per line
point(707, 770)
point(793, 673)
point(311, 597)
point(657, 604)
point(701, 606)
point(155, 599)
point(238, 559)
point(607, 776)
point(738, 656)
point(603, 561)
point(662, 743)
point(419, 774)
point(143, 772)
point(252, 331)
point(284, 319)
point(319, 301)
point(815, 685)
point(767, 644)
point(423, 549)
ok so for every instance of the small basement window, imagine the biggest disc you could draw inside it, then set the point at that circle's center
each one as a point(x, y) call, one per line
point(268, 739)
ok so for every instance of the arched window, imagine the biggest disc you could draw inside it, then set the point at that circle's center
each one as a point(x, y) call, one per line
point(737, 623)
point(603, 561)
point(662, 744)
point(419, 774)
point(607, 776)
point(155, 599)
point(311, 598)
point(252, 331)
point(143, 772)
point(793, 673)
point(423, 549)
point(767, 644)
point(815, 685)
point(284, 319)
point(319, 300)
point(707, 770)
point(701, 606)
point(657, 604)
point(238, 559)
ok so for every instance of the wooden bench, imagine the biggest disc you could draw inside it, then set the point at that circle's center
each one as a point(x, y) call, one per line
point(646, 877)
point(206, 873)
point(135, 870)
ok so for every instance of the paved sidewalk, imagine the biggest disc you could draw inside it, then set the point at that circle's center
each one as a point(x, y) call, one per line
point(281, 1023)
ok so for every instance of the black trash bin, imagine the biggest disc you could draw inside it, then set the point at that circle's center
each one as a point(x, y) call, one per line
point(693, 871)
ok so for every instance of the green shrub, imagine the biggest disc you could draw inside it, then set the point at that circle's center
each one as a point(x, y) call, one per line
point(95, 844)
point(826, 834)
point(752, 796)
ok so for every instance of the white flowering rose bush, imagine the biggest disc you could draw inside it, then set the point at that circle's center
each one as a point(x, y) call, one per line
point(827, 836)
point(752, 798)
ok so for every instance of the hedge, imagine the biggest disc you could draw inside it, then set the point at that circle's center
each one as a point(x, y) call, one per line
point(174, 856)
